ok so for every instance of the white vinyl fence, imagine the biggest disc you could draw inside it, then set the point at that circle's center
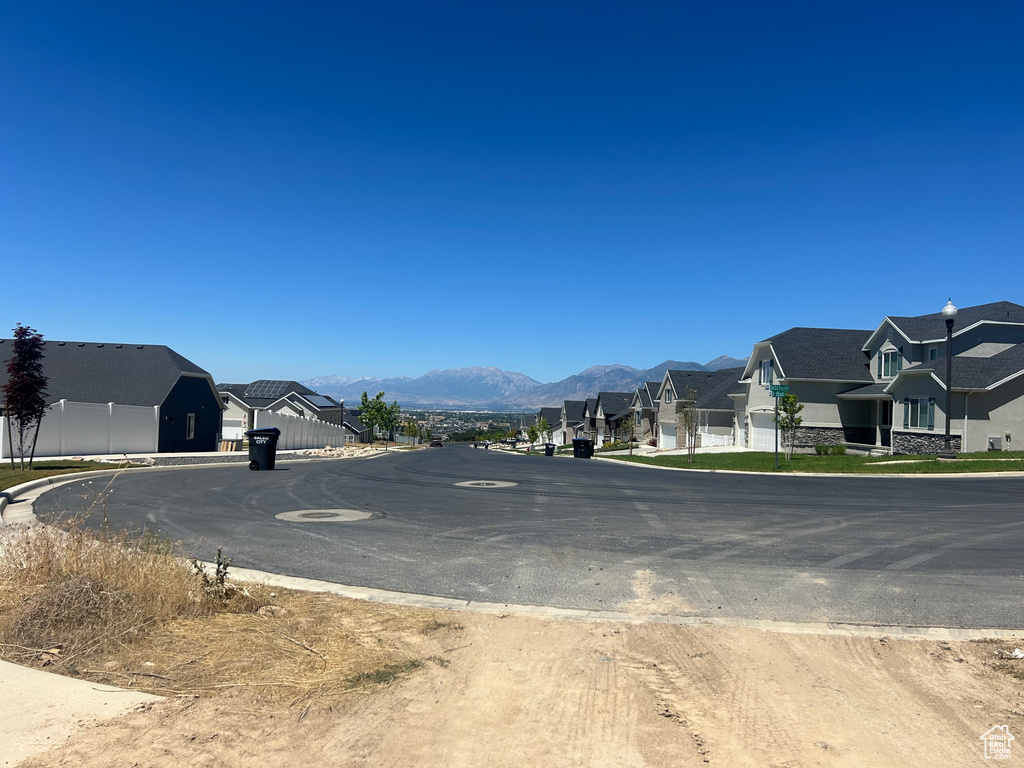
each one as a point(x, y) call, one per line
point(709, 439)
point(298, 433)
point(79, 429)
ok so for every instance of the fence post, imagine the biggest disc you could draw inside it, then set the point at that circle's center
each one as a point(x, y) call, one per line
point(63, 406)
point(110, 427)
point(156, 431)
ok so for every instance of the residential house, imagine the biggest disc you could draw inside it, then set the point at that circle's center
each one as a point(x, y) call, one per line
point(182, 394)
point(277, 396)
point(818, 365)
point(355, 430)
point(571, 421)
point(710, 393)
point(553, 418)
point(609, 410)
point(645, 411)
point(588, 425)
point(905, 402)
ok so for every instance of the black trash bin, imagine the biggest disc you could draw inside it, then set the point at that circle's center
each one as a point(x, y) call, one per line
point(582, 448)
point(549, 449)
point(262, 447)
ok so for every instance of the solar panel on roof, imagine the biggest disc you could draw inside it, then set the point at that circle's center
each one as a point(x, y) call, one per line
point(266, 388)
point(320, 401)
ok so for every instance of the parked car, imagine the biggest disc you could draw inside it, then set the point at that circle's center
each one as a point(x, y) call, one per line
point(436, 442)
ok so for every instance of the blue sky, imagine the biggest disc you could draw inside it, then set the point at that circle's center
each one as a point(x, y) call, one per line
point(377, 189)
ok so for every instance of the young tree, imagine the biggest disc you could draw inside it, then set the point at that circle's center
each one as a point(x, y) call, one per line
point(544, 429)
point(411, 429)
point(789, 408)
point(627, 427)
point(686, 409)
point(533, 432)
point(25, 391)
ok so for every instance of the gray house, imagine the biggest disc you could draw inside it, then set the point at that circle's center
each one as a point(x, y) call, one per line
point(571, 421)
point(276, 396)
point(610, 409)
point(906, 401)
point(711, 395)
point(645, 411)
point(134, 374)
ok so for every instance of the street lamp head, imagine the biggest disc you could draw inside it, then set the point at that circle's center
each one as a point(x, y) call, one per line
point(949, 311)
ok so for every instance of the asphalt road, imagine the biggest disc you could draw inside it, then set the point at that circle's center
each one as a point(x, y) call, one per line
point(596, 535)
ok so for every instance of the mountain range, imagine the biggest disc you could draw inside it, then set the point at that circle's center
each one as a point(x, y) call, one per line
point(492, 389)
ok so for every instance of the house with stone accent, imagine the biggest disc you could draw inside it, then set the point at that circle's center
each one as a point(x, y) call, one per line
point(710, 393)
point(819, 365)
point(645, 411)
point(588, 423)
point(906, 400)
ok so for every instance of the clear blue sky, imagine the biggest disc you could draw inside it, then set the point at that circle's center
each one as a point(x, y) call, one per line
point(283, 190)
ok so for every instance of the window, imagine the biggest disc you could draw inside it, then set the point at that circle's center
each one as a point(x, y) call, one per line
point(190, 426)
point(892, 363)
point(668, 395)
point(764, 376)
point(933, 352)
point(919, 413)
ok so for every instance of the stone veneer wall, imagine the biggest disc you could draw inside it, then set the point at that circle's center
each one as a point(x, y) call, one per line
point(917, 443)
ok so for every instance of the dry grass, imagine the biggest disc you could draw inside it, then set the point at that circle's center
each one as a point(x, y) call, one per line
point(126, 610)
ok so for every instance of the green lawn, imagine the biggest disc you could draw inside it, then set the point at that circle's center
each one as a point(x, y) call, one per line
point(1006, 461)
point(11, 477)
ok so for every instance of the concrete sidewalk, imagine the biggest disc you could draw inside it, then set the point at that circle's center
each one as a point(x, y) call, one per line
point(43, 710)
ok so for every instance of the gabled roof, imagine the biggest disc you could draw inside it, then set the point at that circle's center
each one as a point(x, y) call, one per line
point(713, 387)
point(573, 411)
point(925, 328)
point(590, 407)
point(127, 374)
point(652, 388)
point(351, 420)
point(614, 404)
point(553, 415)
point(975, 372)
point(642, 398)
point(829, 354)
point(264, 392)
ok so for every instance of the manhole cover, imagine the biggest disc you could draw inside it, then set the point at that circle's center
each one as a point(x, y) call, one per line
point(486, 484)
point(325, 516)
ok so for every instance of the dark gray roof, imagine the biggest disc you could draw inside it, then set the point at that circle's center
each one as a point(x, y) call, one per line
point(713, 387)
point(977, 372)
point(871, 390)
point(823, 353)
point(89, 372)
point(351, 419)
point(614, 404)
point(645, 397)
point(652, 388)
point(263, 392)
point(933, 326)
point(553, 415)
point(591, 406)
point(574, 410)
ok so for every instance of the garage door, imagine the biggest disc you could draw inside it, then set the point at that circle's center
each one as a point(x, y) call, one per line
point(762, 432)
point(667, 439)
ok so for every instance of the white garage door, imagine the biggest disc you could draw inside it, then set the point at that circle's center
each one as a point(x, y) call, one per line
point(762, 432)
point(667, 438)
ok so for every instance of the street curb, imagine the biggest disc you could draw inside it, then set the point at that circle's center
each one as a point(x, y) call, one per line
point(832, 628)
point(930, 476)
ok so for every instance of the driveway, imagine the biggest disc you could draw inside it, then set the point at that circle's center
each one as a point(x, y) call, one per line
point(595, 535)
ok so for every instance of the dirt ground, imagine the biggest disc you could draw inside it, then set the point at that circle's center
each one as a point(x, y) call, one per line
point(514, 690)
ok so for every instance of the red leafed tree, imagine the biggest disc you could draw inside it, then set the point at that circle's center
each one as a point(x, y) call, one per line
point(25, 392)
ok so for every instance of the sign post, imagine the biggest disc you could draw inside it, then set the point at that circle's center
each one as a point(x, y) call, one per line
point(777, 391)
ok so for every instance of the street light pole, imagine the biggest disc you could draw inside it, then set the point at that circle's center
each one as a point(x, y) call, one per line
point(949, 315)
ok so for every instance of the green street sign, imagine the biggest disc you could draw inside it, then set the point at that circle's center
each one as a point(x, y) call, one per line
point(778, 390)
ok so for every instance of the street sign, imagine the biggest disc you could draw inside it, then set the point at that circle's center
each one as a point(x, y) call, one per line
point(778, 390)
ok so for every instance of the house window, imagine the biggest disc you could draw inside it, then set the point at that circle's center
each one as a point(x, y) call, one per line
point(668, 395)
point(764, 376)
point(919, 413)
point(892, 363)
point(190, 426)
point(933, 352)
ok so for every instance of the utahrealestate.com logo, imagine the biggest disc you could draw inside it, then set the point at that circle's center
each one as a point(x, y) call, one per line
point(997, 742)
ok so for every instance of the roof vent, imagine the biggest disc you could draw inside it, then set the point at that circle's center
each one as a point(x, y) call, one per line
point(61, 343)
point(81, 344)
point(139, 347)
point(119, 346)
point(99, 346)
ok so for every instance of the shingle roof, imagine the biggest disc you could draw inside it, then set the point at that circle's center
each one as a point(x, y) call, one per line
point(933, 326)
point(652, 388)
point(351, 419)
point(614, 404)
point(553, 415)
point(713, 387)
point(977, 372)
point(822, 353)
point(264, 392)
point(574, 410)
point(89, 372)
point(645, 397)
point(591, 407)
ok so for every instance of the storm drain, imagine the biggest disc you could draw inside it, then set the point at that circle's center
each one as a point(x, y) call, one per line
point(326, 516)
point(485, 484)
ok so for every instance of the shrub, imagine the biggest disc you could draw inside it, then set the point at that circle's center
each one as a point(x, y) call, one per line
point(821, 450)
point(838, 450)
